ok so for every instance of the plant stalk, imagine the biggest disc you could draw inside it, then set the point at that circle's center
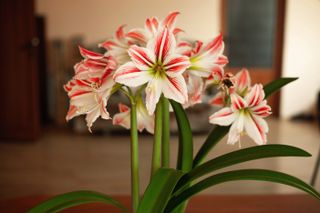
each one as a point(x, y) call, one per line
point(156, 155)
point(165, 133)
point(135, 194)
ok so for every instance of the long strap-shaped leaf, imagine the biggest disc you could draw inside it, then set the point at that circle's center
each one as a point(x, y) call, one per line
point(275, 85)
point(239, 156)
point(185, 153)
point(159, 190)
point(213, 138)
point(246, 174)
point(70, 199)
point(219, 132)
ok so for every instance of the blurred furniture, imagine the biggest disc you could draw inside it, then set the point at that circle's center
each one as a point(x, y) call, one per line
point(198, 204)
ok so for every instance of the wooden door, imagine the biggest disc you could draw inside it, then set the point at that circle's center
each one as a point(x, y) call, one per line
point(253, 31)
point(19, 113)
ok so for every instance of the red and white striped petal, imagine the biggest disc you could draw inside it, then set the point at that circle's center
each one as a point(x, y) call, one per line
point(129, 75)
point(217, 72)
point(152, 25)
point(242, 81)
point(120, 35)
point(103, 111)
point(138, 36)
point(170, 20)
point(218, 99)
point(236, 129)
point(197, 48)
point(203, 65)
point(262, 110)
point(107, 81)
point(153, 93)
point(123, 107)
point(216, 46)
point(184, 48)
point(224, 117)
point(84, 102)
point(177, 31)
point(143, 58)
point(256, 128)
point(91, 117)
point(72, 112)
point(255, 95)
point(122, 118)
point(176, 89)
point(163, 44)
point(176, 64)
point(108, 44)
point(237, 102)
point(144, 119)
point(89, 54)
point(195, 89)
point(222, 60)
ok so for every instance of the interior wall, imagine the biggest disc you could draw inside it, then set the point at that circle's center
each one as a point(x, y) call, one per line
point(98, 19)
point(301, 56)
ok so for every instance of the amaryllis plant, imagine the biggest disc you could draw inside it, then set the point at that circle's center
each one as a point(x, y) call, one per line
point(158, 70)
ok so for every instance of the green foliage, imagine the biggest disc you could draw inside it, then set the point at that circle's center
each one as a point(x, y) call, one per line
point(213, 138)
point(246, 174)
point(159, 190)
point(185, 153)
point(276, 85)
point(76, 198)
point(240, 156)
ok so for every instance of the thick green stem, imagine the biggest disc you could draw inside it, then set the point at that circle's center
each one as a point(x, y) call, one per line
point(165, 133)
point(156, 155)
point(135, 194)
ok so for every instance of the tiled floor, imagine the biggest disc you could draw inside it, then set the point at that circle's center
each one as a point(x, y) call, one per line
point(61, 161)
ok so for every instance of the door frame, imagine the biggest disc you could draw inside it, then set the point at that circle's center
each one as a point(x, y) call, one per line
point(265, 75)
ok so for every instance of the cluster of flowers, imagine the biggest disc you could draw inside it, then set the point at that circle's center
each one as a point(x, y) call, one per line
point(156, 60)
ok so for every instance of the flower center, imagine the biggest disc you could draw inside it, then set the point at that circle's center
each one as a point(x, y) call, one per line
point(95, 85)
point(159, 70)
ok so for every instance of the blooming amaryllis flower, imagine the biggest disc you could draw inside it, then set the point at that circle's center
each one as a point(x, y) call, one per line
point(118, 46)
point(91, 87)
point(241, 85)
point(209, 59)
point(158, 66)
point(246, 115)
point(207, 63)
point(93, 65)
point(144, 120)
point(195, 87)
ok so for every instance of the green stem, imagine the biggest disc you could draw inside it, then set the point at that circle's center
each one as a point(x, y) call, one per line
point(135, 194)
point(165, 133)
point(156, 155)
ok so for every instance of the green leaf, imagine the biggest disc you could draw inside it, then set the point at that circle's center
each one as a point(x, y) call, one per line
point(159, 190)
point(240, 156)
point(213, 138)
point(185, 153)
point(246, 174)
point(276, 85)
point(219, 132)
point(70, 199)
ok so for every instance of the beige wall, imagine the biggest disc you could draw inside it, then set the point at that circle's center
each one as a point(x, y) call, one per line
point(301, 56)
point(98, 19)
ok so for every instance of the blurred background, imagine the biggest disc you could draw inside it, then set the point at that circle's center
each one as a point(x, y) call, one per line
point(40, 153)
